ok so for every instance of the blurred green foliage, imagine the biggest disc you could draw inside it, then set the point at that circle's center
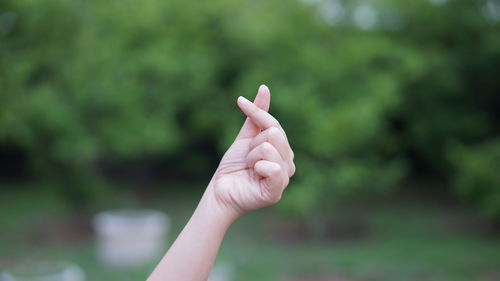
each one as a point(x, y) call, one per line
point(477, 174)
point(369, 92)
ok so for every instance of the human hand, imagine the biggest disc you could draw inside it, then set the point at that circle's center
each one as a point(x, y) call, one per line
point(256, 168)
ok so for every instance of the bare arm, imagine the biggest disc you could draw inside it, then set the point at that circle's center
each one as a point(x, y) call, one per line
point(252, 174)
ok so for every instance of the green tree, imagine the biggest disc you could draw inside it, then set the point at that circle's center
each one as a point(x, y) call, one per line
point(369, 92)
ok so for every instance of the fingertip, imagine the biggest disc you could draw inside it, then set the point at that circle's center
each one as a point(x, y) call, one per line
point(242, 101)
point(264, 90)
point(274, 168)
point(263, 98)
point(264, 87)
point(267, 168)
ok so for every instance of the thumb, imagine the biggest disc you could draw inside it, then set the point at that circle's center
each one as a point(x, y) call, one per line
point(262, 100)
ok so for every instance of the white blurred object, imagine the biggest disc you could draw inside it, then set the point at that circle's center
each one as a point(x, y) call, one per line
point(222, 272)
point(130, 237)
point(332, 11)
point(491, 9)
point(365, 17)
point(44, 271)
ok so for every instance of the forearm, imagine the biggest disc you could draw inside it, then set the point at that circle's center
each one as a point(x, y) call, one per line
point(192, 255)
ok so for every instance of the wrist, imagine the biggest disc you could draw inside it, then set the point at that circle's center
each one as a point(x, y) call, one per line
point(222, 213)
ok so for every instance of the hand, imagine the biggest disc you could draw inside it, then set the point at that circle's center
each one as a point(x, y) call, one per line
point(256, 168)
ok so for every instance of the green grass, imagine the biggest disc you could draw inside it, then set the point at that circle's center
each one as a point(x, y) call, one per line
point(405, 242)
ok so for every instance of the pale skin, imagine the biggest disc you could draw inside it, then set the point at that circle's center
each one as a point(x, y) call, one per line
point(252, 174)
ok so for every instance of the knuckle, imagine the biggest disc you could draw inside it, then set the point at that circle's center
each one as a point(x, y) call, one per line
point(273, 131)
point(287, 181)
point(266, 147)
point(292, 169)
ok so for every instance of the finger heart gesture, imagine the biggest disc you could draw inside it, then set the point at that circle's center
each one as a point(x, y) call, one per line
point(256, 168)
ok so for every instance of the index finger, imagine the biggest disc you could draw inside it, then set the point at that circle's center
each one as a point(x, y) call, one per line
point(258, 116)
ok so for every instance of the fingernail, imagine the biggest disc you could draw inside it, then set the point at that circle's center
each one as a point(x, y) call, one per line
point(243, 100)
point(263, 86)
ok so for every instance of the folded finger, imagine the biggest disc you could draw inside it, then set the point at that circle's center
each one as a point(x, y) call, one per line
point(264, 151)
point(273, 179)
point(274, 136)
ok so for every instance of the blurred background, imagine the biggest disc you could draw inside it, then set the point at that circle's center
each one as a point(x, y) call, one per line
point(392, 108)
